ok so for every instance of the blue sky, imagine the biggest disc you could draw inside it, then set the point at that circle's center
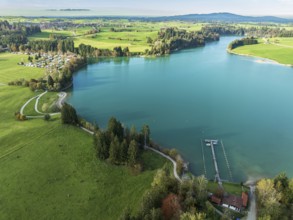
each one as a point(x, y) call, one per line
point(150, 7)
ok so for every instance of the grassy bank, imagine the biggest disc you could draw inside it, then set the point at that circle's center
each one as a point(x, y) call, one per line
point(280, 50)
point(50, 171)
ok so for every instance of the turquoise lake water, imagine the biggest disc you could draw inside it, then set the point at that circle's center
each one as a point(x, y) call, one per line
point(196, 94)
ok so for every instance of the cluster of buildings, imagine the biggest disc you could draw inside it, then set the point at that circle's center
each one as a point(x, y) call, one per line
point(48, 60)
point(235, 203)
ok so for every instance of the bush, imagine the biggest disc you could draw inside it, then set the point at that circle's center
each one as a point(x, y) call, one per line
point(47, 117)
point(20, 117)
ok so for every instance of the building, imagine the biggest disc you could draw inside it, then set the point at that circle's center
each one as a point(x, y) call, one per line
point(244, 199)
point(215, 200)
point(233, 202)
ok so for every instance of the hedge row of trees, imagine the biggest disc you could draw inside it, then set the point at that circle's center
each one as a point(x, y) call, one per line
point(89, 51)
point(244, 41)
point(62, 46)
point(172, 39)
point(275, 197)
point(269, 32)
point(120, 145)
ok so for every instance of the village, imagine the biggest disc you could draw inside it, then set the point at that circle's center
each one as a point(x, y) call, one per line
point(50, 61)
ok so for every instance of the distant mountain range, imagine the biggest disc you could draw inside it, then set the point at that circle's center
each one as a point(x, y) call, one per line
point(213, 17)
point(222, 17)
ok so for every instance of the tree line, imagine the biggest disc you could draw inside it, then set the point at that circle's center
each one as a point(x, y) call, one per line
point(119, 145)
point(275, 198)
point(172, 39)
point(244, 41)
point(224, 29)
point(13, 35)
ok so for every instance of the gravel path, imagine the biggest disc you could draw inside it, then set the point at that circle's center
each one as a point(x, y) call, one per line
point(169, 158)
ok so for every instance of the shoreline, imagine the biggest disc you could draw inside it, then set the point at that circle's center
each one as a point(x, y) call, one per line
point(254, 56)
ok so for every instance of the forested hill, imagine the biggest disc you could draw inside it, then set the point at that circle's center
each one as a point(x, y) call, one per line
point(222, 17)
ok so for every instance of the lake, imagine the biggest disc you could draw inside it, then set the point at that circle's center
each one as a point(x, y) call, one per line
point(196, 94)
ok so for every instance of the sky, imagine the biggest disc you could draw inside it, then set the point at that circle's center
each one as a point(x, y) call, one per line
point(147, 7)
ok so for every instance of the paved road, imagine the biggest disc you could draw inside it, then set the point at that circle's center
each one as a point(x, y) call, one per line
point(252, 209)
point(37, 102)
point(25, 104)
point(62, 96)
point(169, 158)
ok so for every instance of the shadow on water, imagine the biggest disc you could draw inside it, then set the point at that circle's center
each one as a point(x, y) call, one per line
point(97, 81)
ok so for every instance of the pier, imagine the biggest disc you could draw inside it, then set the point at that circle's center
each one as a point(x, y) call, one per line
point(211, 144)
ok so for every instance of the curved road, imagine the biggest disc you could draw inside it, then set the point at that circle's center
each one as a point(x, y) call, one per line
point(169, 158)
point(59, 103)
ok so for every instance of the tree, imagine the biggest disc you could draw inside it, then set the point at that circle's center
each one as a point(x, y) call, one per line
point(132, 153)
point(101, 147)
point(126, 214)
point(201, 188)
point(151, 199)
point(149, 40)
point(30, 59)
point(115, 128)
point(160, 179)
point(123, 151)
point(171, 207)
point(133, 133)
point(268, 198)
point(146, 132)
point(47, 117)
point(114, 151)
point(50, 81)
point(190, 216)
point(68, 115)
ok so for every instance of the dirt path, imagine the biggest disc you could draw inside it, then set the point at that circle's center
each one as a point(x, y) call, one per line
point(282, 45)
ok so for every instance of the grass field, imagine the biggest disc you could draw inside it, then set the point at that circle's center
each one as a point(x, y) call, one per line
point(282, 51)
point(11, 71)
point(129, 34)
point(231, 188)
point(49, 170)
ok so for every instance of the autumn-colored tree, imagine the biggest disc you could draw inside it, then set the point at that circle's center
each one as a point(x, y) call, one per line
point(268, 198)
point(171, 208)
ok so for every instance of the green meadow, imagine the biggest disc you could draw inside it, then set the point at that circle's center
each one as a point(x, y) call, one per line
point(127, 34)
point(11, 71)
point(50, 171)
point(280, 51)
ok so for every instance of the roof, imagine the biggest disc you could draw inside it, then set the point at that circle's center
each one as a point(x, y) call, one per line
point(232, 200)
point(244, 199)
point(216, 200)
